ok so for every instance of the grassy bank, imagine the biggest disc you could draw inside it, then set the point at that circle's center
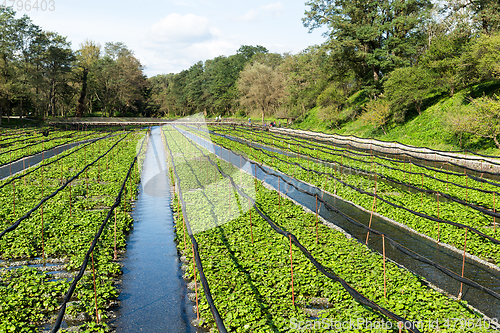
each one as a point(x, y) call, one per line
point(430, 128)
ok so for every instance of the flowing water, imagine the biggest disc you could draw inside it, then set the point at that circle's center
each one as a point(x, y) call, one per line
point(153, 294)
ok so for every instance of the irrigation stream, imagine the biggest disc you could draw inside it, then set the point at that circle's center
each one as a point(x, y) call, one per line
point(476, 271)
point(153, 293)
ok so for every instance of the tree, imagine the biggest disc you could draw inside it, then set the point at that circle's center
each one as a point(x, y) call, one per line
point(160, 87)
point(481, 118)
point(87, 56)
point(377, 113)
point(248, 51)
point(410, 85)
point(373, 36)
point(481, 60)
point(484, 14)
point(261, 87)
point(17, 54)
point(444, 57)
point(118, 85)
point(58, 60)
point(307, 74)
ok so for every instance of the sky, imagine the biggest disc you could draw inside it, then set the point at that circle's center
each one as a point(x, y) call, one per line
point(171, 35)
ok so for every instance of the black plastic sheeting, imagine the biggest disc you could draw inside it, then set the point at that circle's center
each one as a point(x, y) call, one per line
point(71, 290)
point(203, 279)
point(326, 271)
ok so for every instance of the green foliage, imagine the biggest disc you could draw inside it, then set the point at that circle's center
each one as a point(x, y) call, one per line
point(378, 113)
point(250, 282)
point(29, 298)
point(261, 87)
point(373, 37)
point(416, 201)
point(481, 118)
point(483, 59)
point(409, 86)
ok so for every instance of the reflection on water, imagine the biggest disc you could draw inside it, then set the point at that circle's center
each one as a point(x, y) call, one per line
point(154, 295)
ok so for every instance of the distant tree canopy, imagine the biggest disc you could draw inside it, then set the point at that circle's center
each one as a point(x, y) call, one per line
point(40, 75)
point(383, 60)
point(374, 36)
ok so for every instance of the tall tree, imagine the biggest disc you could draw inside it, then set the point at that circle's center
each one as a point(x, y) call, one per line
point(87, 56)
point(374, 36)
point(58, 61)
point(484, 14)
point(261, 87)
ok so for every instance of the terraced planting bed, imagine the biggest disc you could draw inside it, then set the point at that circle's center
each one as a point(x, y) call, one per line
point(57, 225)
point(257, 260)
point(248, 257)
point(425, 199)
point(25, 144)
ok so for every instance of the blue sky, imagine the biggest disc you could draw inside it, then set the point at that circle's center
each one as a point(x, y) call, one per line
point(169, 36)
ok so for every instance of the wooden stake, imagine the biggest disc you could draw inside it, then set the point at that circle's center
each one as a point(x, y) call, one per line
point(291, 268)
point(383, 254)
point(463, 264)
point(195, 284)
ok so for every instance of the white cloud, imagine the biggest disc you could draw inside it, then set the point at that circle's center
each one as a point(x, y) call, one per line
point(273, 9)
point(251, 15)
point(178, 41)
point(182, 28)
point(172, 58)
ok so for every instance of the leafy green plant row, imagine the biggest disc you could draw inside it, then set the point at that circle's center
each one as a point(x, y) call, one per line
point(20, 151)
point(360, 168)
point(251, 281)
point(69, 224)
point(427, 205)
point(35, 138)
point(399, 170)
point(47, 163)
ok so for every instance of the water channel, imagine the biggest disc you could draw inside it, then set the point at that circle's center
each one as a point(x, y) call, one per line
point(153, 294)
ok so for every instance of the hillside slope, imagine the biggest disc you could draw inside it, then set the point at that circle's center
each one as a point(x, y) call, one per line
point(429, 129)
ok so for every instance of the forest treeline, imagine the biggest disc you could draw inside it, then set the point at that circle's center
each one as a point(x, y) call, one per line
point(383, 60)
point(41, 76)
